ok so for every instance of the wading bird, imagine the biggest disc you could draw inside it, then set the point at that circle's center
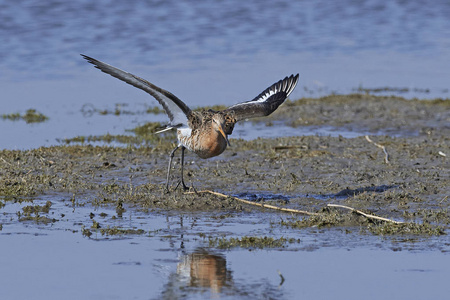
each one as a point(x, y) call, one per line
point(204, 132)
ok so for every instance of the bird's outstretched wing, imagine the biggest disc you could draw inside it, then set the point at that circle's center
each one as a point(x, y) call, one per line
point(176, 109)
point(266, 102)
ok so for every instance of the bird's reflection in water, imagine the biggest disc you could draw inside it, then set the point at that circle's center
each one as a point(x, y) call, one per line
point(204, 270)
point(198, 272)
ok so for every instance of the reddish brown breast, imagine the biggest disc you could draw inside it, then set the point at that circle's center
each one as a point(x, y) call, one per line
point(205, 144)
point(210, 145)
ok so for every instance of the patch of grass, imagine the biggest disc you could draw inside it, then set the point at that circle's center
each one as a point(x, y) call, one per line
point(146, 130)
point(86, 232)
point(387, 228)
point(438, 101)
point(30, 116)
point(213, 107)
point(144, 134)
point(12, 117)
point(327, 218)
point(429, 215)
point(38, 219)
point(119, 109)
point(15, 188)
point(331, 218)
point(361, 89)
point(32, 213)
point(155, 110)
point(106, 138)
point(33, 209)
point(121, 231)
point(108, 231)
point(95, 225)
point(251, 242)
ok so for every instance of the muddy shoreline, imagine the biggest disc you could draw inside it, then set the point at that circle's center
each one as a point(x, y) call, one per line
point(301, 172)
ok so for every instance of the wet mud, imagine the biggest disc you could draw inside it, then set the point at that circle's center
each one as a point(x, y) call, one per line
point(408, 181)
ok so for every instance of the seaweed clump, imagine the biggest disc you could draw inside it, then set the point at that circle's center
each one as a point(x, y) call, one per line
point(30, 116)
point(251, 242)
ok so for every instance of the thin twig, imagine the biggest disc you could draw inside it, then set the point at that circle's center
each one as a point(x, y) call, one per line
point(258, 204)
point(296, 210)
point(386, 155)
point(364, 214)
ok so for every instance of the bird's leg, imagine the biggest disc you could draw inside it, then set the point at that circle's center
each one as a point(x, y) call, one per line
point(182, 167)
point(170, 166)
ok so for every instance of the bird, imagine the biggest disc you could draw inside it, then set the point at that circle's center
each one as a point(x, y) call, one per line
point(203, 132)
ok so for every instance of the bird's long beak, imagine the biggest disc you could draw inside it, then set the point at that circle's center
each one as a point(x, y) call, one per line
point(224, 135)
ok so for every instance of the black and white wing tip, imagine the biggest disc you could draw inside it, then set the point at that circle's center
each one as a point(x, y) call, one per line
point(283, 87)
point(266, 102)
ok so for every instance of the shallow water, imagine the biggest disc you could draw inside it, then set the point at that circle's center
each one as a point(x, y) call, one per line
point(172, 260)
point(42, 40)
point(208, 53)
point(142, 270)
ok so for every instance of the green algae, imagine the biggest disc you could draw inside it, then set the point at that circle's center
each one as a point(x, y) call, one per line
point(12, 117)
point(410, 228)
point(33, 213)
point(30, 116)
point(121, 231)
point(251, 242)
point(119, 109)
point(155, 110)
point(86, 232)
point(14, 189)
point(328, 220)
point(142, 135)
point(34, 209)
point(110, 231)
point(213, 107)
point(38, 219)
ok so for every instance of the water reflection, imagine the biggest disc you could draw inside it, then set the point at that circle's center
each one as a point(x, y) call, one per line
point(206, 273)
point(201, 272)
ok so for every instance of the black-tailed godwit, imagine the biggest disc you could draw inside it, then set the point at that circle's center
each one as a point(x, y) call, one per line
point(204, 132)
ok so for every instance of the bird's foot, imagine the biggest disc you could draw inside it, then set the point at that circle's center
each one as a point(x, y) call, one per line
point(181, 182)
point(166, 190)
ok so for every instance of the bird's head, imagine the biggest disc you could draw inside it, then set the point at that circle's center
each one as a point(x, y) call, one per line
point(218, 124)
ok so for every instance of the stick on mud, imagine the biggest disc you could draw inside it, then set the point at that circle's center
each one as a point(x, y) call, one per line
point(386, 155)
point(369, 216)
point(304, 212)
point(364, 214)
